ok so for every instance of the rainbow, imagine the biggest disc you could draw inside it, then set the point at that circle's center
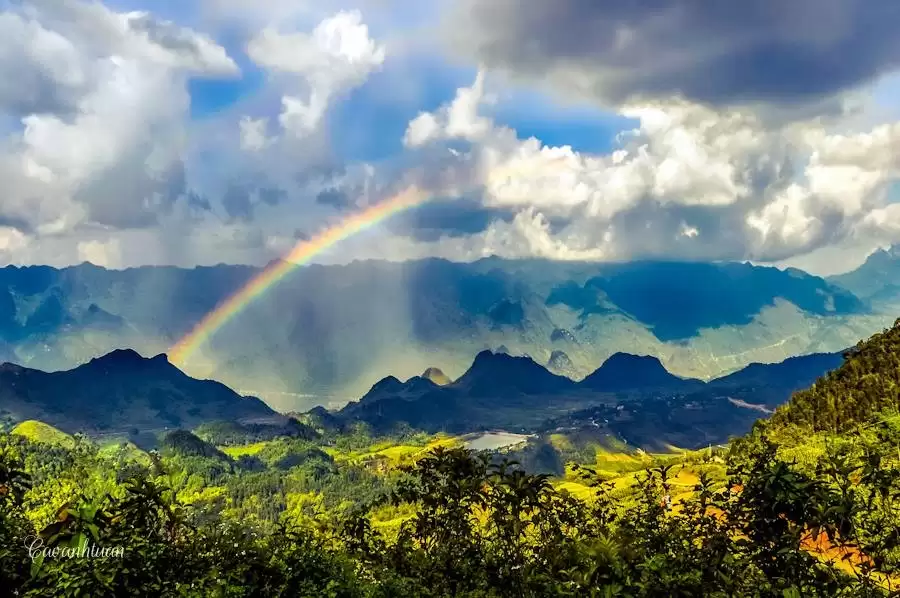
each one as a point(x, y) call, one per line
point(299, 255)
point(304, 251)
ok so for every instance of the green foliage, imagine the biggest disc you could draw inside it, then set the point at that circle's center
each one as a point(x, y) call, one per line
point(186, 444)
point(41, 432)
point(866, 384)
point(228, 433)
point(475, 526)
point(808, 504)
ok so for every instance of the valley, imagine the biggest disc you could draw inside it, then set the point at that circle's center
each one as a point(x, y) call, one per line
point(323, 475)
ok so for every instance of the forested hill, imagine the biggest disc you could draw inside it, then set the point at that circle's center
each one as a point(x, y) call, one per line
point(867, 383)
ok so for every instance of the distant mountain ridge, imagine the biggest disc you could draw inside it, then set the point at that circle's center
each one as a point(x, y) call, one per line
point(120, 391)
point(516, 393)
point(313, 334)
point(794, 372)
point(124, 391)
point(493, 373)
point(622, 372)
point(877, 279)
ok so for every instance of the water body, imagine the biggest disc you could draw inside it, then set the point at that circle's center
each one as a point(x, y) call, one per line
point(492, 441)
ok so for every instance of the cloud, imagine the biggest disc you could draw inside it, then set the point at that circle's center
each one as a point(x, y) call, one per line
point(337, 56)
point(96, 31)
point(448, 218)
point(253, 133)
point(766, 51)
point(243, 198)
point(460, 119)
point(102, 159)
point(102, 115)
point(336, 198)
point(38, 70)
point(690, 182)
point(98, 253)
point(100, 148)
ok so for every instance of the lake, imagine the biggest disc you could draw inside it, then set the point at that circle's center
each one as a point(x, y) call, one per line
point(492, 441)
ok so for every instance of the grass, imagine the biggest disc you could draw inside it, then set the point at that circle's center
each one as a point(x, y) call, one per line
point(40, 432)
point(393, 454)
point(561, 442)
point(240, 450)
point(577, 490)
point(111, 448)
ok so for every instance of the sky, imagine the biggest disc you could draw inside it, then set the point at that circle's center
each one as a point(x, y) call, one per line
point(193, 132)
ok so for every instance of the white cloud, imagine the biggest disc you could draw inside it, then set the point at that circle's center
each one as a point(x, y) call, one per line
point(95, 31)
point(460, 119)
point(336, 57)
point(38, 67)
point(11, 240)
point(253, 133)
point(688, 181)
point(101, 159)
point(422, 129)
point(106, 254)
point(108, 149)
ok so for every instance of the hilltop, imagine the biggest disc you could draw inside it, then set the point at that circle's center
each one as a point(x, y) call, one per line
point(634, 372)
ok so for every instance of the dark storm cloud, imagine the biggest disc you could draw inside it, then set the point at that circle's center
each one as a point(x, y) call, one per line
point(21, 225)
point(237, 203)
point(336, 198)
point(198, 202)
point(241, 199)
point(127, 195)
point(271, 195)
point(717, 52)
point(447, 218)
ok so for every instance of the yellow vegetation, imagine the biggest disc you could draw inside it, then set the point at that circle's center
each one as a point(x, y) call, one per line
point(40, 432)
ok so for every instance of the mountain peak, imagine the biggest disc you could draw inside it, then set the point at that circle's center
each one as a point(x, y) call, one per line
point(493, 373)
point(437, 376)
point(120, 356)
point(390, 386)
point(624, 371)
point(129, 360)
point(621, 359)
point(488, 358)
point(892, 252)
point(123, 390)
point(387, 383)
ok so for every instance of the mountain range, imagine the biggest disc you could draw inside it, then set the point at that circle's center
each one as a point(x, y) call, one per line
point(634, 396)
point(121, 392)
point(877, 280)
point(325, 333)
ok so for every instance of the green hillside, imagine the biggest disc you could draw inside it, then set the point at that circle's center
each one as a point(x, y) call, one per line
point(36, 431)
point(866, 384)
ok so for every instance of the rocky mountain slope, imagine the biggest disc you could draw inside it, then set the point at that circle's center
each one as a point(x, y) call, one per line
point(326, 333)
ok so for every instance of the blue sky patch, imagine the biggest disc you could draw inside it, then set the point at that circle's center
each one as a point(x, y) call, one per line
point(368, 124)
point(583, 127)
